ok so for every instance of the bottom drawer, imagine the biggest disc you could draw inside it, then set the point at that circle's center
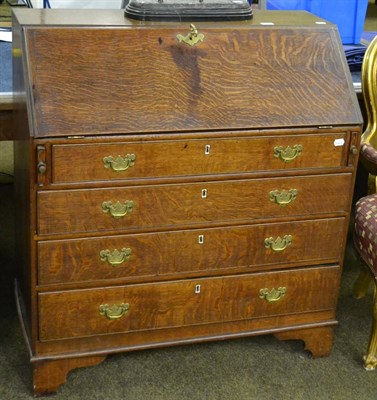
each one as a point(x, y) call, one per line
point(82, 313)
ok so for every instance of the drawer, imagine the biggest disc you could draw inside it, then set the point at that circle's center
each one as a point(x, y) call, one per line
point(167, 206)
point(128, 160)
point(80, 313)
point(191, 251)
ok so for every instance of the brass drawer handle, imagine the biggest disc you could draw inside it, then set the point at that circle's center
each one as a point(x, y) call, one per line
point(354, 150)
point(288, 154)
point(116, 257)
point(118, 210)
point(115, 311)
point(278, 244)
point(41, 167)
point(272, 295)
point(283, 197)
point(119, 163)
point(192, 38)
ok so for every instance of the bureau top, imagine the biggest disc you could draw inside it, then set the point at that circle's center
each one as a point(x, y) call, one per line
point(91, 72)
point(91, 17)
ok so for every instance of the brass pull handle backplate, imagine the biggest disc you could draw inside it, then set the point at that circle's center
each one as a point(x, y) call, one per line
point(353, 150)
point(119, 163)
point(116, 257)
point(192, 38)
point(118, 210)
point(288, 154)
point(278, 244)
point(115, 311)
point(283, 197)
point(272, 295)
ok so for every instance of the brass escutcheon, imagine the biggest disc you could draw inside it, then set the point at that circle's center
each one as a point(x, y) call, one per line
point(278, 244)
point(115, 257)
point(118, 210)
point(192, 38)
point(283, 197)
point(115, 311)
point(119, 163)
point(272, 295)
point(288, 154)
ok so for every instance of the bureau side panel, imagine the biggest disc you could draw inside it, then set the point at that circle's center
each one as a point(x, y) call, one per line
point(24, 185)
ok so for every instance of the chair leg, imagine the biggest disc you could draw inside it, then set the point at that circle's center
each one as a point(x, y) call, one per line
point(370, 360)
point(360, 288)
point(372, 186)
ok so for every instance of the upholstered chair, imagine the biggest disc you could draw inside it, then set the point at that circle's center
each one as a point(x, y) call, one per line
point(365, 232)
point(368, 151)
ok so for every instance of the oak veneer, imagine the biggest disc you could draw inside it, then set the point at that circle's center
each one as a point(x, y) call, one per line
point(219, 299)
point(237, 157)
point(190, 88)
point(173, 253)
point(159, 159)
point(166, 206)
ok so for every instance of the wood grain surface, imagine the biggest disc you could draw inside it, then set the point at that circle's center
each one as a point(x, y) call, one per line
point(171, 254)
point(174, 158)
point(169, 206)
point(69, 314)
point(95, 81)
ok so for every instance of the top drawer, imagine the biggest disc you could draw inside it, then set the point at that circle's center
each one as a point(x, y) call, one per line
point(165, 158)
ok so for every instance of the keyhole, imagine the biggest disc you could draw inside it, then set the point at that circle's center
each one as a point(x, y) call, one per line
point(197, 289)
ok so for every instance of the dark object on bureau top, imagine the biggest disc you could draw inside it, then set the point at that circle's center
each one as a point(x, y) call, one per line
point(193, 10)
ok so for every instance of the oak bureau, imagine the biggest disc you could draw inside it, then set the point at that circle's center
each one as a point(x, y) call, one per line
point(172, 192)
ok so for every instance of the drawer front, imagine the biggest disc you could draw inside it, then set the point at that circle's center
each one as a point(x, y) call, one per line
point(131, 308)
point(127, 160)
point(165, 206)
point(184, 252)
point(239, 76)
